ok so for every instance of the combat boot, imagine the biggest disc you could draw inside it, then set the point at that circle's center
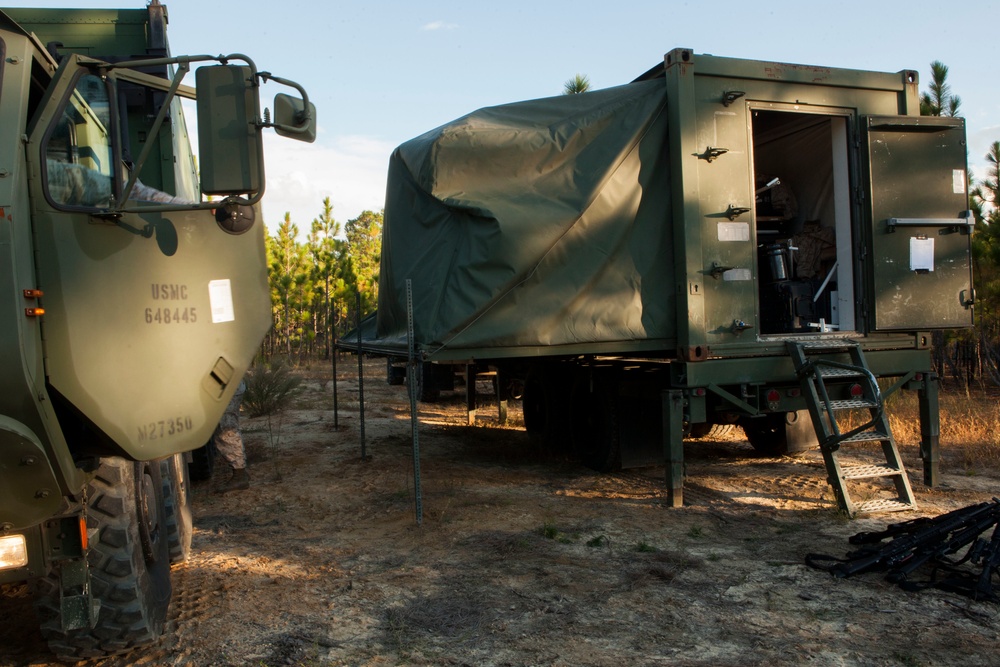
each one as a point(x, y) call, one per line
point(240, 481)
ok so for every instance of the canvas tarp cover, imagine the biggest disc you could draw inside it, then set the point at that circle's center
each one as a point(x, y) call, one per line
point(532, 226)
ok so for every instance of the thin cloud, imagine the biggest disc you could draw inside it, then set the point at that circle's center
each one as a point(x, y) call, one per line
point(439, 25)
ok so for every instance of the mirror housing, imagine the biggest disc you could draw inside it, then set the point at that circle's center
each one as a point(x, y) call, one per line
point(291, 121)
point(229, 140)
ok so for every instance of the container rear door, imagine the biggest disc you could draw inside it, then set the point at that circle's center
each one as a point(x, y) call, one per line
point(920, 273)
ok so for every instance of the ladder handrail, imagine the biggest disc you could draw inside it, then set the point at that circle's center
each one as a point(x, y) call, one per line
point(879, 406)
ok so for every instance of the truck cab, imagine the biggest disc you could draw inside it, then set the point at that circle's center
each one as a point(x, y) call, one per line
point(132, 306)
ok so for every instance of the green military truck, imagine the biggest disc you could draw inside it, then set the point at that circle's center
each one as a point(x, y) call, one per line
point(718, 242)
point(131, 306)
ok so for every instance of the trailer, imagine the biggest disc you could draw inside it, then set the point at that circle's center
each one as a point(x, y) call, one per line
point(720, 241)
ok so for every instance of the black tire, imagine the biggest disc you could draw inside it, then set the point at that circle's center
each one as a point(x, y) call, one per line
point(427, 387)
point(129, 565)
point(177, 506)
point(780, 434)
point(202, 462)
point(545, 406)
point(594, 426)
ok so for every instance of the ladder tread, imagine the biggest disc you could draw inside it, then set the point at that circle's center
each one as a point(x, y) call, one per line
point(870, 471)
point(827, 344)
point(852, 404)
point(867, 436)
point(836, 372)
point(884, 505)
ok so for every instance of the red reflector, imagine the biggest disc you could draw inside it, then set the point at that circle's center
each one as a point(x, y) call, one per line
point(773, 396)
point(794, 392)
point(857, 391)
point(918, 377)
point(699, 392)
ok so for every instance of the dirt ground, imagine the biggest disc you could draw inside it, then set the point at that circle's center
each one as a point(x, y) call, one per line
point(524, 558)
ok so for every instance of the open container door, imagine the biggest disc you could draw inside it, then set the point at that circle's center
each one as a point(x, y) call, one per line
point(921, 272)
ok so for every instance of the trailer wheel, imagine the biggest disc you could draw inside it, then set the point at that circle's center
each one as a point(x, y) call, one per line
point(780, 434)
point(595, 432)
point(427, 387)
point(202, 462)
point(129, 565)
point(545, 406)
point(176, 506)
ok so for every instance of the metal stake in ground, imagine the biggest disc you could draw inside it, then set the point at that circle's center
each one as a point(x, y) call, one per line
point(411, 377)
point(361, 383)
point(334, 349)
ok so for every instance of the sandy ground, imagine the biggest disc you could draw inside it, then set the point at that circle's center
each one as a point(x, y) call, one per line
point(523, 558)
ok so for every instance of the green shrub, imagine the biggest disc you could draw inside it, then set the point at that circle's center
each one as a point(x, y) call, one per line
point(270, 388)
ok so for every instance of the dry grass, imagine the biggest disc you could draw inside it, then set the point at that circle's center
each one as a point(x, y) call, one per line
point(970, 426)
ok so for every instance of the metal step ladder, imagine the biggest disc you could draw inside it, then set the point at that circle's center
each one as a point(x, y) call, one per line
point(856, 389)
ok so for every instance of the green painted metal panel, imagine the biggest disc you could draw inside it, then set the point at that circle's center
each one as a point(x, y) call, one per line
point(921, 266)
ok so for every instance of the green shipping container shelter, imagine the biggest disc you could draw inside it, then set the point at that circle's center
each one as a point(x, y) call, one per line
point(685, 235)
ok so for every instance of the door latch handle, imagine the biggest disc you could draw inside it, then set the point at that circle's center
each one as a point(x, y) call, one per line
point(739, 326)
point(734, 212)
point(718, 269)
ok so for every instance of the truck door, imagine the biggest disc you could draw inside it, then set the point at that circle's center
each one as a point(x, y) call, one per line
point(726, 201)
point(920, 273)
point(148, 315)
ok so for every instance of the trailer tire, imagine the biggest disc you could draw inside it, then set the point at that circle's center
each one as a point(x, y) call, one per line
point(780, 433)
point(177, 506)
point(545, 406)
point(129, 565)
point(596, 437)
point(427, 387)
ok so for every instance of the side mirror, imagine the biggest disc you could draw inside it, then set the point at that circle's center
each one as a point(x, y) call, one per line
point(229, 140)
point(291, 119)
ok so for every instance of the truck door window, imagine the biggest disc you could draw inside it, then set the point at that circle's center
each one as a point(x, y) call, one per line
point(79, 161)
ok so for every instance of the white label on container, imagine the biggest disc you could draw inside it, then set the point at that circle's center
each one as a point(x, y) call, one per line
point(921, 254)
point(734, 231)
point(958, 181)
point(220, 297)
point(733, 275)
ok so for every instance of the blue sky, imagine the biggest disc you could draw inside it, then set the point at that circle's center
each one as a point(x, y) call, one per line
point(383, 72)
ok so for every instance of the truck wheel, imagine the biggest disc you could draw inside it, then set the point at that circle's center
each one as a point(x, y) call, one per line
point(596, 437)
point(780, 434)
point(129, 565)
point(177, 506)
point(202, 462)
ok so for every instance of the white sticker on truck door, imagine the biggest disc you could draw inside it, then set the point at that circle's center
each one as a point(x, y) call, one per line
point(220, 296)
point(734, 231)
point(958, 181)
point(921, 254)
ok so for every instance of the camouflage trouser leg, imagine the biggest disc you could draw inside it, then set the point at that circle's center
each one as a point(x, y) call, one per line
point(228, 439)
